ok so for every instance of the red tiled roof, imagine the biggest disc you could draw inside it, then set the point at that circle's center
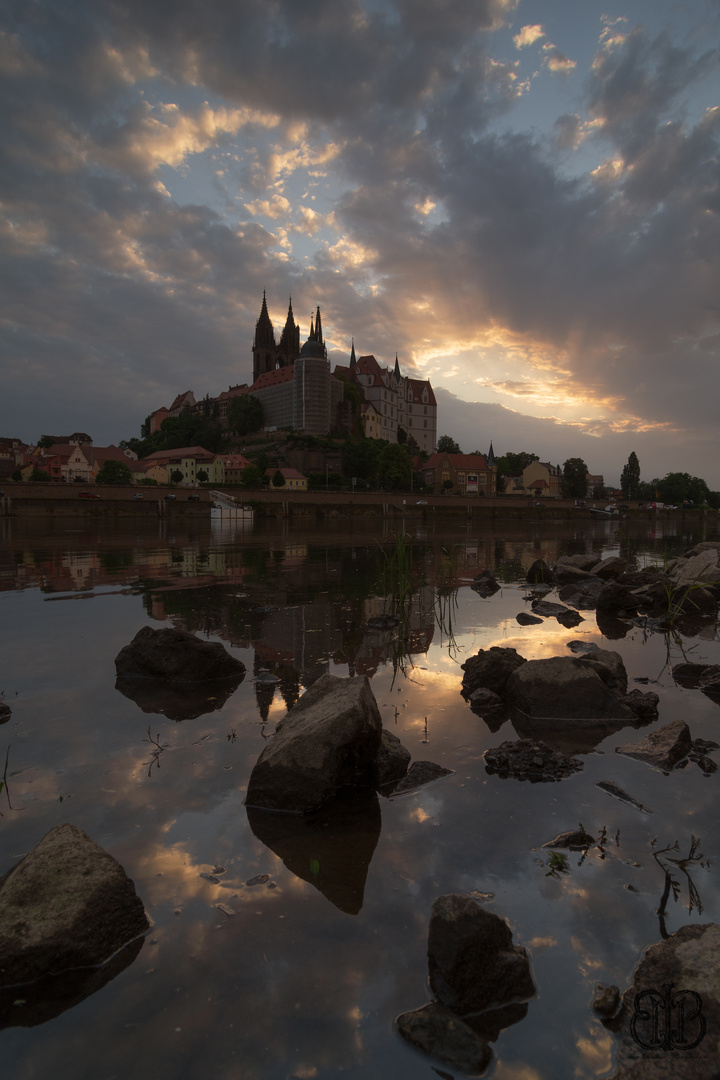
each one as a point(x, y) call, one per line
point(458, 461)
point(417, 386)
point(274, 378)
point(182, 451)
point(287, 474)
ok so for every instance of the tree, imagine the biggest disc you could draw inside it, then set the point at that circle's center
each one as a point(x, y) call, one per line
point(394, 466)
point(39, 475)
point(447, 445)
point(17, 476)
point(114, 472)
point(446, 485)
point(575, 478)
point(245, 414)
point(201, 476)
point(176, 476)
point(252, 476)
point(630, 479)
point(514, 464)
point(278, 479)
point(681, 487)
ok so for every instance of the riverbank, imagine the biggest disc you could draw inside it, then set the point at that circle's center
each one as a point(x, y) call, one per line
point(105, 501)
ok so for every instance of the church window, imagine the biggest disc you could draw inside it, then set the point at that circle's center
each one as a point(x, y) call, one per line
point(425, 411)
point(424, 423)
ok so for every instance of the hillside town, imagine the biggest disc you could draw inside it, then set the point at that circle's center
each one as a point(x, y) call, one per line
point(300, 425)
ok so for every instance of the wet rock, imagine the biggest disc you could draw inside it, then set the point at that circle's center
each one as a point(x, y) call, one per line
point(266, 677)
point(705, 677)
point(419, 774)
point(580, 646)
point(177, 657)
point(612, 627)
point(6, 711)
point(526, 619)
point(392, 759)
point(68, 904)
point(330, 849)
point(563, 687)
point(610, 568)
point(491, 669)
point(540, 572)
point(441, 1034)
point(582, 594)
point(329, 741)
point(546, 607)
point(609, 666)
point(472, 962)
point(662, 748)
point(570, 619)
point(485, 584)
point(687, 963)
point(617, 792)
point(699, 567)
point(696, 676)
point(576, 840)
point(643, 705)
point(530, 759)
point(583, 561)
point(569, 575)
point(606, 1000)
point(488, 704)
point(615, 599)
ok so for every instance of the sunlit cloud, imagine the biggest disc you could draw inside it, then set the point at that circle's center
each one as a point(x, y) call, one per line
point(528, 36)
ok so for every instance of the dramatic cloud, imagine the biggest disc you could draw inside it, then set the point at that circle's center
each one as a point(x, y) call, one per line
point(525, 208)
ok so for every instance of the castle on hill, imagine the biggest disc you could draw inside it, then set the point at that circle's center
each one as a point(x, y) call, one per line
point(298, 391)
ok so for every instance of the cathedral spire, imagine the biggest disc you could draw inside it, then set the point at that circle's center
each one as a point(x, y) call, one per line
point(318, 326)
point(353, 361)
point(491, 456)
point(397, 374)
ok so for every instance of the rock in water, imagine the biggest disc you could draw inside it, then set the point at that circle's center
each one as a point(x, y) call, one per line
point(663, 748)
point(563, 687)
point(68, 904)
point(176, 656)
point(472, 961)
point(444, 1036)
point(329, 741)
point(686, 964)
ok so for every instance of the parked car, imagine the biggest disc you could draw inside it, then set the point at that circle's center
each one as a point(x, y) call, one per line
point(138, 495)
point(88, 495)
point(421, 502)
point(193, 498)
point(169, 496)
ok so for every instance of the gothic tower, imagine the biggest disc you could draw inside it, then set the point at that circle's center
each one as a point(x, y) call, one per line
point(264, 349)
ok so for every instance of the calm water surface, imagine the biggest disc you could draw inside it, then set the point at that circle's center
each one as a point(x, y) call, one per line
point(305, 978)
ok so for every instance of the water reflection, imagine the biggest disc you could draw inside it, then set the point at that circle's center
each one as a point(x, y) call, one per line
point(331, 849)
point(289, 984)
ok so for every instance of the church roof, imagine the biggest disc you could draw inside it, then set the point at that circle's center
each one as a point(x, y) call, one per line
point(274, 378)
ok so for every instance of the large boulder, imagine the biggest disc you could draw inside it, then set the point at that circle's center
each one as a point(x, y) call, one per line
point(176, 656)
point(329, 741)
point(616, 599)
point(698, 566)
point(393, 759)
point(472, 961)
point(610, 667)
point(566, 688)
point(610, 568)
point(583, 561)
point(530, 759)
point(663, 748)
point(68, 904)
point(490, 669)
point(673, 1031)
point(582, 594)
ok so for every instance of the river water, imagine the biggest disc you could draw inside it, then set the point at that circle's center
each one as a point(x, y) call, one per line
point(302, 975)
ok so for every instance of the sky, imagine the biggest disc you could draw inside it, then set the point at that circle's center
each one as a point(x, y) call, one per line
point(521, 199)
